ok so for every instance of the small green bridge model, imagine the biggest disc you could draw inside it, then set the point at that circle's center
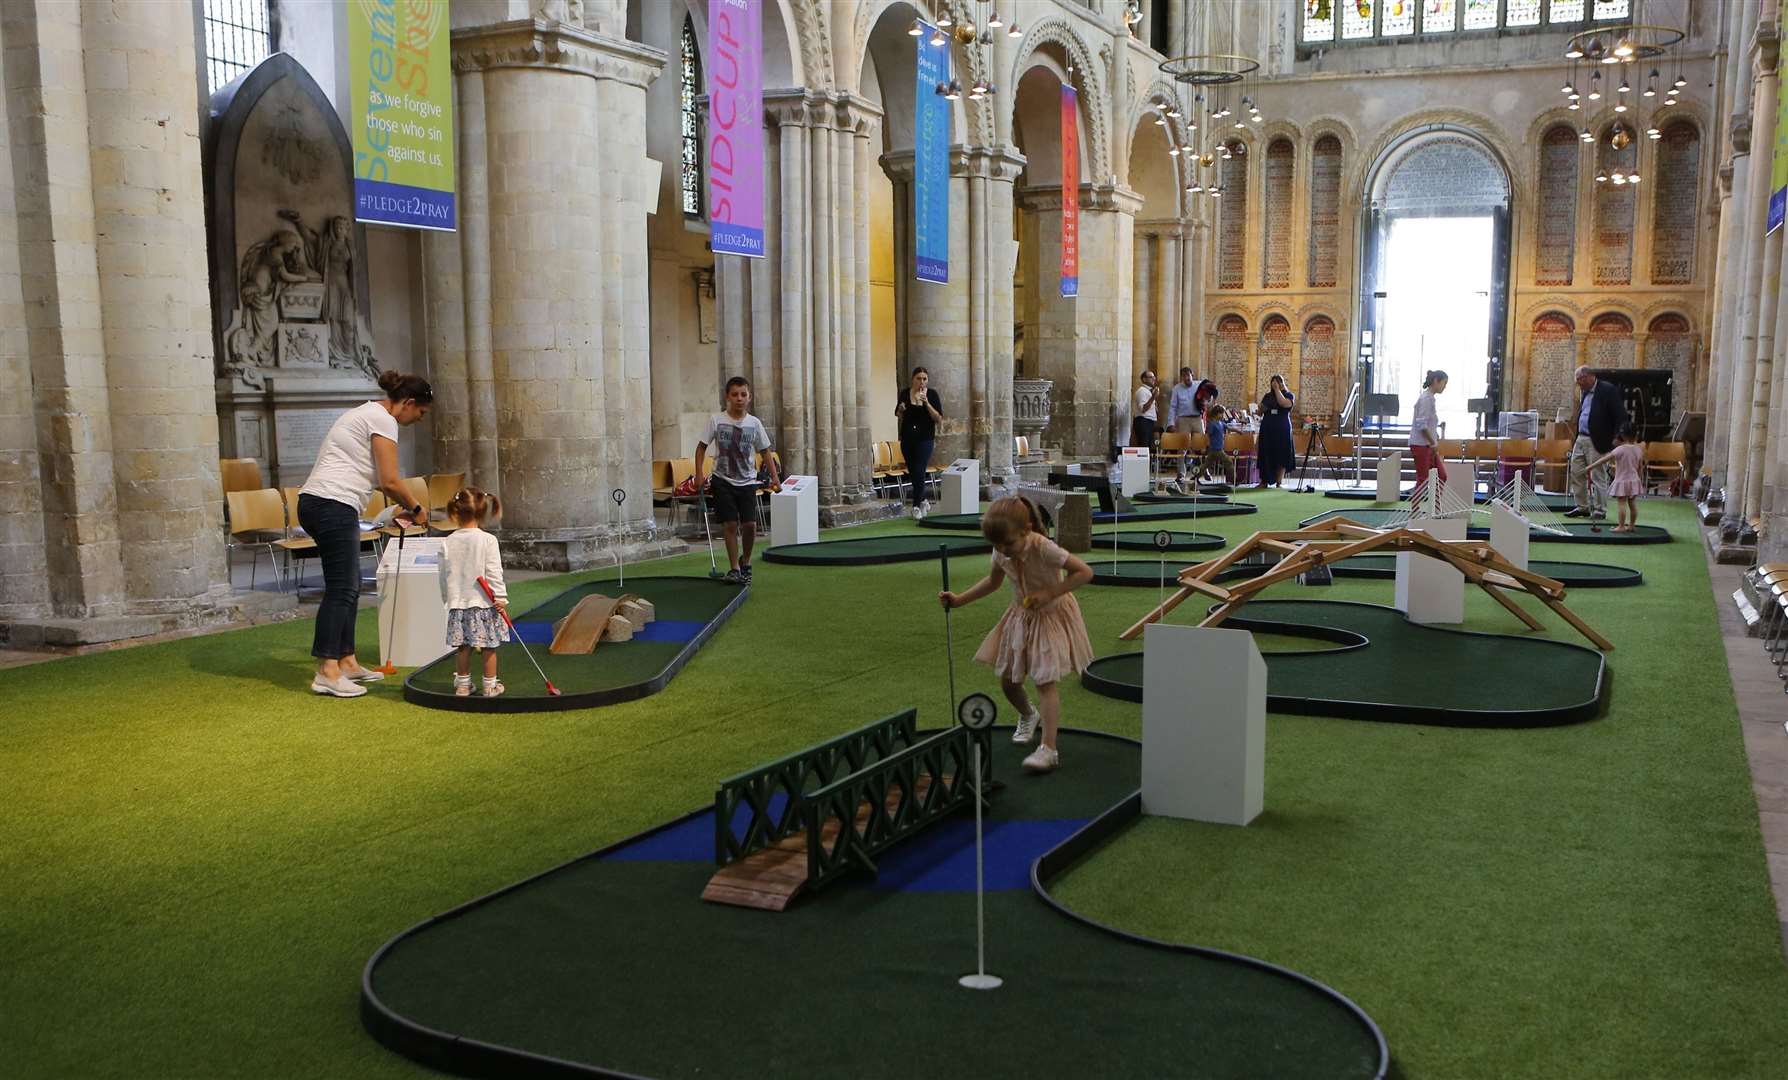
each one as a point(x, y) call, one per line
point(811, 817)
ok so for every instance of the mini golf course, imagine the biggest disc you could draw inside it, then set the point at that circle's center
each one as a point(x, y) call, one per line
point(689, 610)
point(1145, 512)
point(1396, 670)
point(872, 550)
point(612, 965)
point(1550, 500)
point(1144, 540)
point(1572, 575)
point(1575, 532)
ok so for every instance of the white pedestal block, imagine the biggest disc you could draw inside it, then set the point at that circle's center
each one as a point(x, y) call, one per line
point(794, 511)
point(412, 618)
point(1390, 478)
point(1509, 534)
point(1203, 750)
point(961, 486)
point(1135, 462)
point(1428, 590)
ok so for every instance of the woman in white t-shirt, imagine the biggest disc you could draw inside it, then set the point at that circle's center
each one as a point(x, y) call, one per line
point(357, 456)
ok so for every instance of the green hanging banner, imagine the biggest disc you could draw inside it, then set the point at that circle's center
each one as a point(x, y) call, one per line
point(400, 83)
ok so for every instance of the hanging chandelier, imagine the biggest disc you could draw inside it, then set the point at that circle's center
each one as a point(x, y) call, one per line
point(1615, 49)
point(971, 33)
point(1218, 81)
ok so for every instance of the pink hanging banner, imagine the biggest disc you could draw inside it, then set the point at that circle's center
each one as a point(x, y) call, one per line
point(736, 128)
point(1070, 192)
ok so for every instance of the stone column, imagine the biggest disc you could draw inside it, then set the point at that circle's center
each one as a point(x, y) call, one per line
point(1142, 333)
point(565, 213)
point(936, 315)
point(991, 172)
point(1167, 304)
point(1743, 392)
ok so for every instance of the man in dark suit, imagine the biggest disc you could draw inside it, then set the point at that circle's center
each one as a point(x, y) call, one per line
point(1600, 414)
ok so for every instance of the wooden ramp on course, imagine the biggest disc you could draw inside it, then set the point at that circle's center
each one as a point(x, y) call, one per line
point(771, 878)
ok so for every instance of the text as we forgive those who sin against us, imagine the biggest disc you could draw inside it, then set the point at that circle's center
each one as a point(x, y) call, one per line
point(399, 60)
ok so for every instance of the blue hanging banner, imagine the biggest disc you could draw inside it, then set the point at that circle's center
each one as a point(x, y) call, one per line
point(931, 161)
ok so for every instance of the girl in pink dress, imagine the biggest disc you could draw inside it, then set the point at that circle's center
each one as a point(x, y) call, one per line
point(1041, 636)
point(1629, 461)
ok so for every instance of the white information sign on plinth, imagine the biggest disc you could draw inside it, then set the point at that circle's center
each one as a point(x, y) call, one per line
point(794, 511)
point(1509, 534)
point(1203, 724)
point(1429, 590)
point(961, 486)
point(1135, 462)
point(1390, 478)
point(412, 616)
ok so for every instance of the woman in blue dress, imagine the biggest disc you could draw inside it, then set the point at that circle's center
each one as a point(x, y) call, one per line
point(1273, 451)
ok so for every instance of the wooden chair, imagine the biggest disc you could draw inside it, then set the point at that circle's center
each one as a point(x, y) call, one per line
point(1517, 456)
point(1176, 449)
point(442, 487)
point(1668, 463)
point(662, 484)
point(884, 475)
point(1553, 455)
point(239, 474)
point(1480, 451)
point(258, 521)
point(417, 486)
point(682, 469)
point(1240, 447)
point(296, 545)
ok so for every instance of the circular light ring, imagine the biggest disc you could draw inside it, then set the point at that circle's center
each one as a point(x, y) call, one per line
point(1209, 69)
point(1647, 41)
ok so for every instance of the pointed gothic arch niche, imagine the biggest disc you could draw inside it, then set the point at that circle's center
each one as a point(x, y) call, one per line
point(1315, 385)
point(1436, 268)
point(1272, 356)
point(1556, 205)
point(1229, 359)
point(1278, 182)
point(1159, 259)
point(1670, 345)
point(1325, 212)
point(1675, 191)
point(1551, 358)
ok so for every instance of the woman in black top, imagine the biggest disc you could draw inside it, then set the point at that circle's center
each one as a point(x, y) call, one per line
point(1273, 453)
point(919, 411)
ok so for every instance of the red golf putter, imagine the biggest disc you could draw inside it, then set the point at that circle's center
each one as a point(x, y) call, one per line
point(550, 688)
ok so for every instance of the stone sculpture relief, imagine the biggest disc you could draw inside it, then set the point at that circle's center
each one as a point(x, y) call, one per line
point(296, 293)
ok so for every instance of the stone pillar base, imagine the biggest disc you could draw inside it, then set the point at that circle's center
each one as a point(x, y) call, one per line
point(858, 513)
point(1731, 551)
point(561, 553)
point(216, 609)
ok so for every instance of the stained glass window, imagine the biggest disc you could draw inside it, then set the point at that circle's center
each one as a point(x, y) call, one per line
point(1319, 20)
point(1399, 18)
point(238, 35)
point(1564, 11)
point(1523, 13)
point(1480, 14)
point(1612, 9)
point(1356, 18)
point(1439, 16)
point(691, 75)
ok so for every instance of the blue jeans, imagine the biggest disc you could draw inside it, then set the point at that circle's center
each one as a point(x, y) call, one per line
point(918, 459)
point(335, 526)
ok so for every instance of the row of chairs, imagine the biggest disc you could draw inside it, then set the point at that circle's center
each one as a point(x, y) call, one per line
point(668, 474)
point(265, 520)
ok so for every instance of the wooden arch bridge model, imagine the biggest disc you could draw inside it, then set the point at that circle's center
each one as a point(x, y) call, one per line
point(1306, 549)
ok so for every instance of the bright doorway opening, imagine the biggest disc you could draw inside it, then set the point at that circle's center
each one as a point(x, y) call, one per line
point(1437, 281)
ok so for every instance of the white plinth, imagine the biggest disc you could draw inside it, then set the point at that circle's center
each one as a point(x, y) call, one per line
point(1509, 535)
point(1390, 478)
point(1135, 462)
point(1203, 724)
point(412, 618)
point(1428, 590)
point(794, 511)
point(961, 486)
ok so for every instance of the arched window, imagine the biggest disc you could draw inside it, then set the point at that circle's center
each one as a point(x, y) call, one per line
point(1557, 207)
point(1275, 233)
point(1325, 211)
point(238, 35)
point(1232, 218)
point(1671, 346)
point(1273, 356)
point(1611, 341)
point(1673, 205)
point(1316, 369)
point(1551, 357)
point(1229, 359)
point(691, 74)
point(1617, 152)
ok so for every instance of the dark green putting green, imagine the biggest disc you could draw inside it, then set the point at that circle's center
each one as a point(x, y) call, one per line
point(613, 965)
point(869, 550)
point(687, 611)
point(1144, 540)
point(1207, 494)
point(1575, 575)
point(1550, 500)
point(1575, 532)
point(1400, 671)
point(1146, 512)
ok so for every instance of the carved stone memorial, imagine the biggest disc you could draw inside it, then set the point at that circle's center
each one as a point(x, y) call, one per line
point(288, 277)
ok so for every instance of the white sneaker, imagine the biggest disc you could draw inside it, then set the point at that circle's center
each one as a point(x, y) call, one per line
point(366, 675)
point(337, 687)
point(925, 508)
point(1042, 759)
point(1026, 729)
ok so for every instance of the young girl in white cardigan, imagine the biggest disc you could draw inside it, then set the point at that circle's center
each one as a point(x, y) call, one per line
point(473, 618)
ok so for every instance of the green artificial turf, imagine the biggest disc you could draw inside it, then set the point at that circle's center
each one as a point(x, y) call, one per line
point(199, 856)
point(870, 550)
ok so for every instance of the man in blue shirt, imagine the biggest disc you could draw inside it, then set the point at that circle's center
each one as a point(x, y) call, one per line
point(1599, 416)
point(1183, 414)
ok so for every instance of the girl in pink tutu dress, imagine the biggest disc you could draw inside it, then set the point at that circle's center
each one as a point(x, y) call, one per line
point(1041, 636)
point(1629, 484)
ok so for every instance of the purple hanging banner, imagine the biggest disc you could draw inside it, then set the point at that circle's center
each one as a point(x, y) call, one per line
point(736, 128)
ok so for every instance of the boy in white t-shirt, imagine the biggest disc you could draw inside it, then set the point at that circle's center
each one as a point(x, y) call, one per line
point(737, 438)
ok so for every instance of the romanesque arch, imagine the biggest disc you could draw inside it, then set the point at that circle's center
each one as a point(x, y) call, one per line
point(1316, 368)
point(1551, 358)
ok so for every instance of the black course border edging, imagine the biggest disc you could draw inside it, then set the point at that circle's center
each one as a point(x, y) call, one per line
point(506, 703)
point(447, 1052)
point(1633, 578)
point(1144, 540)
point(1537, 536)
point(916, 555)
point(1377, 710)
